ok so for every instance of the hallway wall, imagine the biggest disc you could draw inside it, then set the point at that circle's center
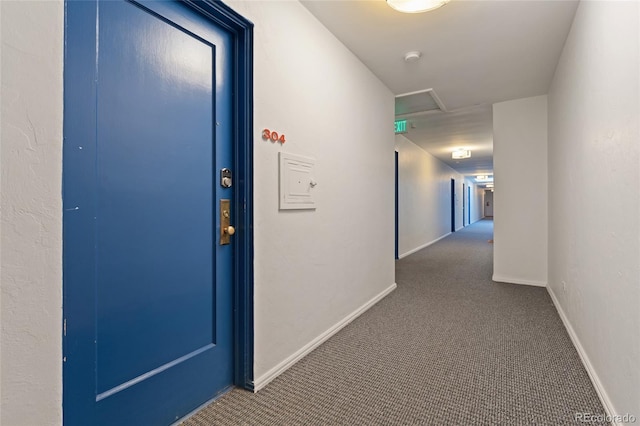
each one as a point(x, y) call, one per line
point(425, 197)
point(594, 207)
point(315, 268)
point(480, 202)
point(31, 44)
point(520, 197)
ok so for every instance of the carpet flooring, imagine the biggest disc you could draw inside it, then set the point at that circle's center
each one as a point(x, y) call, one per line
point(447, 347)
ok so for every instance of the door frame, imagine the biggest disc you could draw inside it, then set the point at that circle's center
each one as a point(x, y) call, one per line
point(453, 205)
point(241, 32)
point(397, 208)
point(469, 204)
point(464, 205)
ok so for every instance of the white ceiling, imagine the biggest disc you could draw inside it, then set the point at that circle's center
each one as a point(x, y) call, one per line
point(470, 128)
point(474, 53)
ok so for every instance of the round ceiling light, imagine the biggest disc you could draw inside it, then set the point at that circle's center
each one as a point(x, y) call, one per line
point(416, 6)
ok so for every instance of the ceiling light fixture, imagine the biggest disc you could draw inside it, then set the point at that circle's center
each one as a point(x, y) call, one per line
point(459, 154)
point(416, 6)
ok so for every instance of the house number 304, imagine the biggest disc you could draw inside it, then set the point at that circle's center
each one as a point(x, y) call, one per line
point(272, 136)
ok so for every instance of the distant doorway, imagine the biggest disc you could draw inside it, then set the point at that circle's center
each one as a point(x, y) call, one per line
point(469, 204)
point(397, 207)
point(488, 203)
point(464, 205)
point(453, 205)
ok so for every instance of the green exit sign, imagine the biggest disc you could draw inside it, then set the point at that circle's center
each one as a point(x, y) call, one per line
point(401, 126)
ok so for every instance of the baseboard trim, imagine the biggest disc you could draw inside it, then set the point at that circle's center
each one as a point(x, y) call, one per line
point(595, 379)
point(423, 246)
point(509, 280)
point(263, 380)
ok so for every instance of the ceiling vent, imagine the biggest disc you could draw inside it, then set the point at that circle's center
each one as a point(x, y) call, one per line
point(418, 103)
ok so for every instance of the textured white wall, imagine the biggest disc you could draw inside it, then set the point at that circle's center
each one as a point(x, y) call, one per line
point(594, 208)
point(314, 268)
point(31, 40)
point(476, 202)
point(520, 197)
point(424, 193)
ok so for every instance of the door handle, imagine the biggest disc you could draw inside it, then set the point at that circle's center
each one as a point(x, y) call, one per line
point(226, 230)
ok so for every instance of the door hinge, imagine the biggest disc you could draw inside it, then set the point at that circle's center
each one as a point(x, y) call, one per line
point(64, 328)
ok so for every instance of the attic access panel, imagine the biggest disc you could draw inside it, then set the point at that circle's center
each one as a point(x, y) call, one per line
point(417, 102)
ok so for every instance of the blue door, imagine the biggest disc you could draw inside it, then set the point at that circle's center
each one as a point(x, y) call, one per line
point(148, 288)
point(453, 205)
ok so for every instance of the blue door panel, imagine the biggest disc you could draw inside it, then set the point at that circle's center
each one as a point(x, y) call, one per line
point(148, 290)
point(155, 194)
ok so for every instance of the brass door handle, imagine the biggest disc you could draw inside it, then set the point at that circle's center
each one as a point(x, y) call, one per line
point(226, 230)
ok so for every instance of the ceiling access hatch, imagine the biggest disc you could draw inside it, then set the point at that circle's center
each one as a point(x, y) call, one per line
point(418, 103)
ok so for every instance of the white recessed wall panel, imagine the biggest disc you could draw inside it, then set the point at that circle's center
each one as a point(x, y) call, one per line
point(297, 184)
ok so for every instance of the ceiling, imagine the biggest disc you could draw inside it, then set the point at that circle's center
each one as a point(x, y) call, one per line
point(469, 128)
point(474, 53)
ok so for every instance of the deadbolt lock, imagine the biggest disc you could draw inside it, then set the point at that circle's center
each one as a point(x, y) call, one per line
point(225, 178)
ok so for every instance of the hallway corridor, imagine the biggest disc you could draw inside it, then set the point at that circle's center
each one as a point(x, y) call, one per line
point(449, 346)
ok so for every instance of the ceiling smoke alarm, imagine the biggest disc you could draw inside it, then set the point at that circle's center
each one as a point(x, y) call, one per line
point(412, 56)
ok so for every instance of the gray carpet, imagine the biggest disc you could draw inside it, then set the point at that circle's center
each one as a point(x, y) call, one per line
point(449, 346)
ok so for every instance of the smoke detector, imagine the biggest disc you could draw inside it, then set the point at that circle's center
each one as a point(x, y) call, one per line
point(412, 56)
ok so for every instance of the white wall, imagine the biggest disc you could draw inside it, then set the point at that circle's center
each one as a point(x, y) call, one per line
point(31, 40)
point(520, 197)
point(424, 194)
point(314, 268)
point(0, 215)
point(594, 208)
point(480, 202)
point(477, 211)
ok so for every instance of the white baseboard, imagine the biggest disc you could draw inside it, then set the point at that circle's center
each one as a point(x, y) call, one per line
point(263, 380)
point(597, 384)
point(457, 229)
point(510, 280)
point(423, 246)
